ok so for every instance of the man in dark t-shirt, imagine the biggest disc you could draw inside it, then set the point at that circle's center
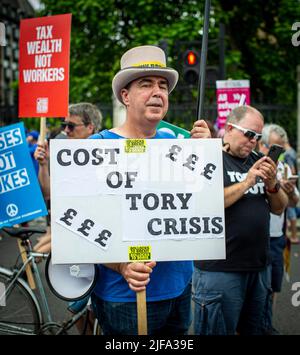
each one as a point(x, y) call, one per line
point(230, 294)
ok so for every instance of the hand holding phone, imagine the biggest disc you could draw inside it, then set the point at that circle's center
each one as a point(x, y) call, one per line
point(274, 152)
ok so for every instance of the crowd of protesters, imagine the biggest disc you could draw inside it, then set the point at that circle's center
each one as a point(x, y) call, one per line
point(231, 296)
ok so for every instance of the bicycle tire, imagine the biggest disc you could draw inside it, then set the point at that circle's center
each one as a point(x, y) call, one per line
point(20, 314)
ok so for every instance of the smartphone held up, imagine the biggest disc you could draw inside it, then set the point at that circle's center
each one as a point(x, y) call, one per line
point(274, 152)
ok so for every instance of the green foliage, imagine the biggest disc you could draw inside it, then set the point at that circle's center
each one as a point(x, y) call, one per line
point(258, 41)
point(261, 32)
point(102, 30)
point(258, 37)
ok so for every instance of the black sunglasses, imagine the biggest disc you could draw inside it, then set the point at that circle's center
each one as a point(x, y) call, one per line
point(247, 132)
point(70, 125)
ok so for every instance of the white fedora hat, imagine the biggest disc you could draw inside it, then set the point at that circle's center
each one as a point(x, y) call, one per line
point(143, 61)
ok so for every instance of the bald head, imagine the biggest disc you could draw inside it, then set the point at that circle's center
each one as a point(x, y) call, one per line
point(239, 113)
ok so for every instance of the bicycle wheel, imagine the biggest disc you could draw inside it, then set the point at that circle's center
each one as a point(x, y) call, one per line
point(20, 314)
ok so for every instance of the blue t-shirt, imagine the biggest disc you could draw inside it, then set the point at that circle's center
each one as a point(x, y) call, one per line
point(168, 279)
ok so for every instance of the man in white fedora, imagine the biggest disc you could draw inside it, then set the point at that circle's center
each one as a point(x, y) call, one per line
point(143, 85)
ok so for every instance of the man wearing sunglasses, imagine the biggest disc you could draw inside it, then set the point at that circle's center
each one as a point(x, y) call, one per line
point(230, 294)
point(84, 119)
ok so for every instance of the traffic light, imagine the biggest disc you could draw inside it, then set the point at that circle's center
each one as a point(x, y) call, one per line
point(191, 64)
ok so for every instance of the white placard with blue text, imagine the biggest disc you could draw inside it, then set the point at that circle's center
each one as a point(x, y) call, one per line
point(21, 199)
point(166, 195)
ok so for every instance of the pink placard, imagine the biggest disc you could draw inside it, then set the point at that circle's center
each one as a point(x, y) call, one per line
point(230, 94)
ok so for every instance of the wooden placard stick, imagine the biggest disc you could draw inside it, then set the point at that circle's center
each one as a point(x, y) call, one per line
point(142, 312)
point(42, 130)
point(139, 254)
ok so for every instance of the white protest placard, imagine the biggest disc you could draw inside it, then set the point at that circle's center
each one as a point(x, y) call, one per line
point(123, 200)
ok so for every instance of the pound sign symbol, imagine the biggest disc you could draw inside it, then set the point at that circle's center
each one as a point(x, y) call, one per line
point(208, 170)
point(174, 150)
point(191, 160)
point(103, 237)
point(87, 224)
point(69, 214)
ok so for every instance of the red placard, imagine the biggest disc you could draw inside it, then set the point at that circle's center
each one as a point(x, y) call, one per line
point(44, 66)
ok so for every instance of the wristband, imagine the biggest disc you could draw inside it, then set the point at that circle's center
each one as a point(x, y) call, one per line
point(275, 188)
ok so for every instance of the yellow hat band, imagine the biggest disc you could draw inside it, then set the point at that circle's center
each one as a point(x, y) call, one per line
point(149, 65)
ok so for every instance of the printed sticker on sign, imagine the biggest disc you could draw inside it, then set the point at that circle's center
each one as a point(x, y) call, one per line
point(42, 105)
point(135, 146)
point(139, 253)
